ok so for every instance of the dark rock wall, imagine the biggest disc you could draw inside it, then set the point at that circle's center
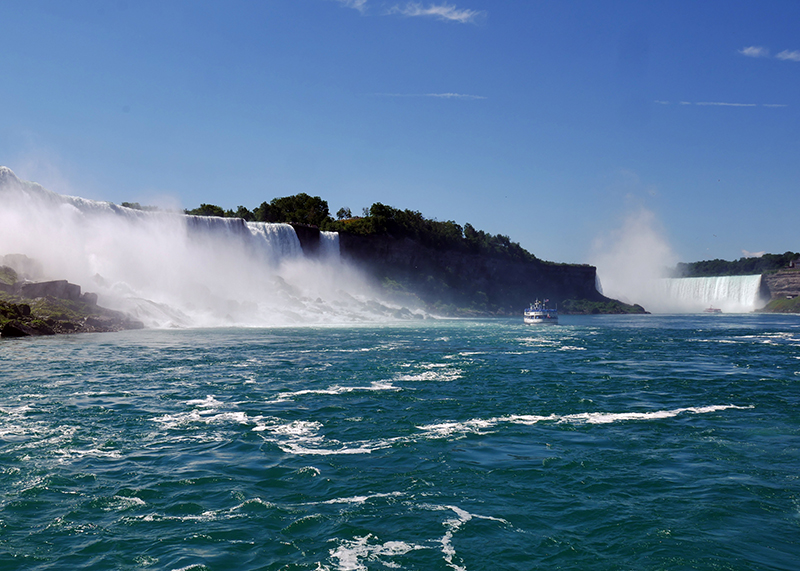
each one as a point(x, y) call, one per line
point(461, 276)
point(309, 238)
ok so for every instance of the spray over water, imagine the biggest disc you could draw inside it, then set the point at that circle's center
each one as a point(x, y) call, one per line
point(633, 259)
point(633, 265)
point(172, 270)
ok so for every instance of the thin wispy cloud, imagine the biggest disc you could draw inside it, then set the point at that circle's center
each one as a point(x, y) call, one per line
point(359, 5)
point(437, 95)
point(724, 104)
point(454, 96)
point(446, 12)
point(754, 51)
point(787, 55)
point(762, 52)
point(721, 104)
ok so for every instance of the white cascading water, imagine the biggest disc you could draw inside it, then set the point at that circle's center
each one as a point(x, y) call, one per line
point(172, 270)
point(730, 294)
point(329, 245)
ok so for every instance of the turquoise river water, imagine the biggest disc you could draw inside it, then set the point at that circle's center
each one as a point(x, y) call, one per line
point(608, 442)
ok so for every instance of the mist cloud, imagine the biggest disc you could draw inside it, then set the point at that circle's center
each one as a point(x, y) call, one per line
point(167, 269)
point(632, 258)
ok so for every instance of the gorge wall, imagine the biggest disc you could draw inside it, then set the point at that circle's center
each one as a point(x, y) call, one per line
point(784, 291)
point(442, 278)
point(783, 284)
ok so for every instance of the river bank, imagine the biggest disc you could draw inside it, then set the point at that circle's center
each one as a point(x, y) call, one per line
point(52, 307)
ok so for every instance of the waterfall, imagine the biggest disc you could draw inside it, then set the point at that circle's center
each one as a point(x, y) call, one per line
point(169, 269)
point(329, 245)
point(278, 241)
point(731, 294)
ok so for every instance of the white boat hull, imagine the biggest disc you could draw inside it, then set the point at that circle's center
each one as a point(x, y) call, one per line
point(540, 318)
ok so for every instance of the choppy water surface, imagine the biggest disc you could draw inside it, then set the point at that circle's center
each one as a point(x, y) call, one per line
point(643, 442)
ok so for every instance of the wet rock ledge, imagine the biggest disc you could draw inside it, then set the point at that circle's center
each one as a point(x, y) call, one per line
point(53, 307)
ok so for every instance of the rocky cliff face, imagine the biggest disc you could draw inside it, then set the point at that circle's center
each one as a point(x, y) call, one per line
point(309, 238)
point(491, 284)
point(783, 284)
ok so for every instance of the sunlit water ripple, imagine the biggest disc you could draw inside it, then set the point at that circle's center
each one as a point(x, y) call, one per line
point(642, 442)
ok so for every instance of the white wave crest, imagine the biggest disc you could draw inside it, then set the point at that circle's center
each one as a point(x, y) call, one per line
point(478, 426)
point(334, 390)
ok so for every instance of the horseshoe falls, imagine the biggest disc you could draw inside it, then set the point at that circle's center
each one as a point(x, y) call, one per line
point(731, 294)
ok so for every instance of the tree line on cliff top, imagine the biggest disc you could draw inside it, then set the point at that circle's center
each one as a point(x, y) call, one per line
point(378, 219)
point(740, 267)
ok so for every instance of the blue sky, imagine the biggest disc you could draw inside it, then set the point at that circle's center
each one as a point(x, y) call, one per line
point(546, 121)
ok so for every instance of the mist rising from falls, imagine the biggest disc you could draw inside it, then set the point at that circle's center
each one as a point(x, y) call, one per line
point(633, 264)
point(168, 269)
point(631, 260)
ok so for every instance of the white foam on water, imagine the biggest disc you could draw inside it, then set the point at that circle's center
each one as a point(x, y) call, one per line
point(16, 411)
point(297, 429)
point(358, 499)
point(452, 526)
point(539, 341)
point(367, 552)
point(777, 338)
point(253, 502)
point(122, 503)
point(206, 516)
point(435, 372)
point(207, 416)
point(73, 454)
point(192, 567)
point(335, 390)
point(480, 426)
point(209, 401)
point(445, 429)
point(527, 419)
point(302, 438)
point(299, 448)
point(360, 554)
point(607, 418)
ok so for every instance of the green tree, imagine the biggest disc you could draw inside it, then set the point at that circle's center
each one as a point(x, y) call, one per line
point(244, 214)
point(301, 209)
point(207, 210)
point(265, 213)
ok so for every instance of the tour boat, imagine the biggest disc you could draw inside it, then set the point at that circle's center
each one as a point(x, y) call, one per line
point(539, 313)
point(712, 310)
